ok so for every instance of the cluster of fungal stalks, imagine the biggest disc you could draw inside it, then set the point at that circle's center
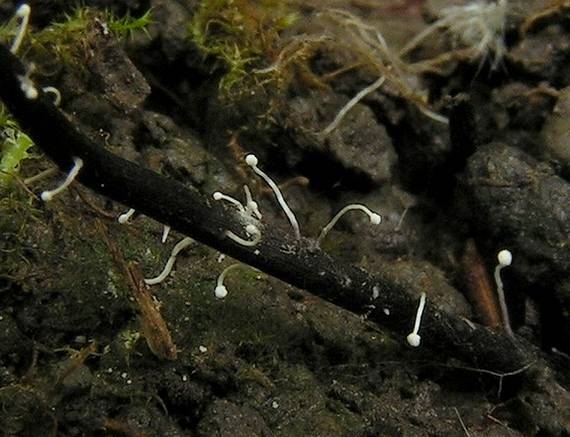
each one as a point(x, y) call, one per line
point(472, 32)
point(505, 258)
point(250, 216)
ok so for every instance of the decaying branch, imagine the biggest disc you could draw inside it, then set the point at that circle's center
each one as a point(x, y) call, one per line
point(296, 261)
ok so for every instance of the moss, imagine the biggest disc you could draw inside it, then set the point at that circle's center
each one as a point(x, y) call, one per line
point(238, 35)
point(24, 410)
point(66, 42)
point(8, 30)
point(14, 146)
point(16, 214)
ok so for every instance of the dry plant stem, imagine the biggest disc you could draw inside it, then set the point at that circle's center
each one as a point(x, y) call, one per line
point(463, 427)
point(480, 290)
point(153, 326)
point(420, 37)
point(92, 205)
point(20, 182)
point(41, 175)
point(370, 44)
point(351, 103)
point(76, 362)
point(543, 16)
point(292, 260)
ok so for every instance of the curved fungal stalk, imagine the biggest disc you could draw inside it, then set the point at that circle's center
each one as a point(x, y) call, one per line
point(505, 258)
point(252, 161)
point(375, 218)
point(49, 194)
point(251, 230)
point(182, 244)
point(221, 196)
point(413, 338)
point(53, 90)
point(23, 13)
point(221, 291)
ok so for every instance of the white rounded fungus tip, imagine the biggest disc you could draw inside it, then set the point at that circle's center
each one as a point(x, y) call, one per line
point(123, 219)
point(375, 292)
point(505, 257)
point(414, 339)
point(375, 219)
point(46, 196)
point(251, 160)
point(23, 10)
point(217, 195)
point(32, 94)
point(221, 291)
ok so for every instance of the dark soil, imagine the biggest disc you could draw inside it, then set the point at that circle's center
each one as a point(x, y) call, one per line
point(80, 351)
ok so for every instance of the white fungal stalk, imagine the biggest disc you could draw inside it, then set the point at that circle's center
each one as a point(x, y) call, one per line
point(182, 244)
point(221, 196)
point(413, 338)
point(249, 211)
point(49, 195)
point(505, 258)
point(27, 85)
point(375, 218)
point(53, 90)
point(351, 103)
point(221, 291)
point(251, 230)
point(165, 233)
point(252, 161)
point(126, 216)
point(249, 215)
point(23, 13)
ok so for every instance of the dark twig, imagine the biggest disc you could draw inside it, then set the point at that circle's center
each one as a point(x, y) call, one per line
point(297, 262)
